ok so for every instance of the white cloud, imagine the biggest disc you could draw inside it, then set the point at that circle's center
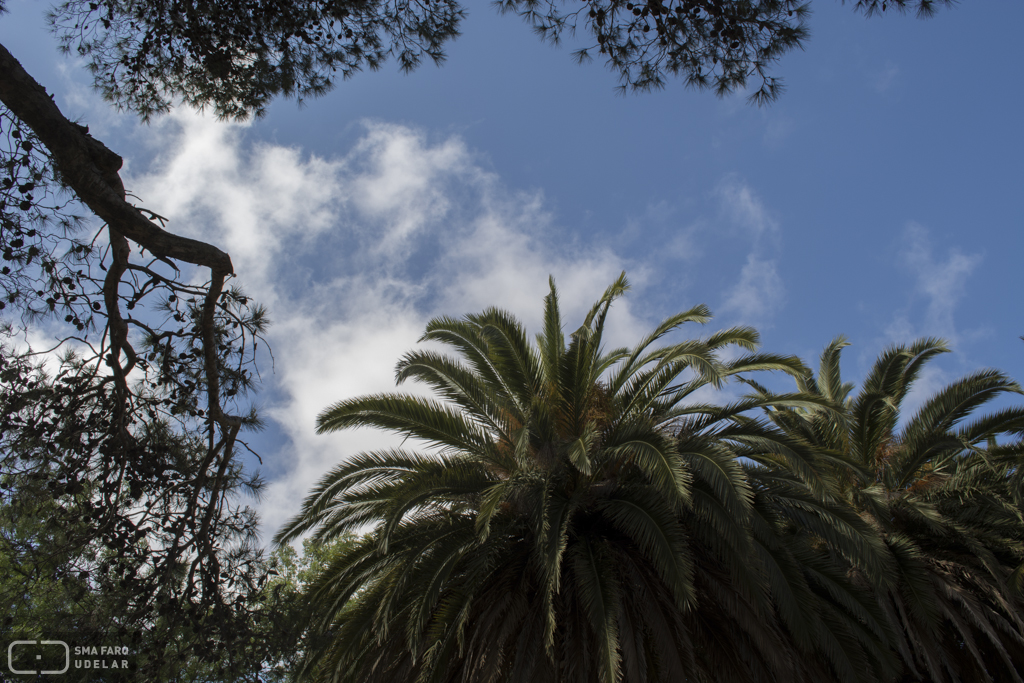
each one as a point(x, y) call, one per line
point(745, 210)
point(759, 293)
point(930, 382)
point(942, 283)
point(354, 254)
point(399, 180)
point(260, 204)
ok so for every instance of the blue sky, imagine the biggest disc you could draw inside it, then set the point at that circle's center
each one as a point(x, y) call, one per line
point(878, 198)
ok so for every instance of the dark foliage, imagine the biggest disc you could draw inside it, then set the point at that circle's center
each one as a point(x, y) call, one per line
point(119, 439)
point(117, 536)
point(238, 54)
point(715, 44)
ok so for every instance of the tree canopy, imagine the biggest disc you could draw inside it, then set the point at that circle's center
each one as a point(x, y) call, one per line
point(127, 432)
point(236, 55)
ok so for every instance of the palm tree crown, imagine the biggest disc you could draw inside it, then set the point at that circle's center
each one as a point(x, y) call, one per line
point(576, 515)
point(943, 489)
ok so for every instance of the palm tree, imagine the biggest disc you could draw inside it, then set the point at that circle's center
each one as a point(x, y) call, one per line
point(575, 515)
point(943, 489)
